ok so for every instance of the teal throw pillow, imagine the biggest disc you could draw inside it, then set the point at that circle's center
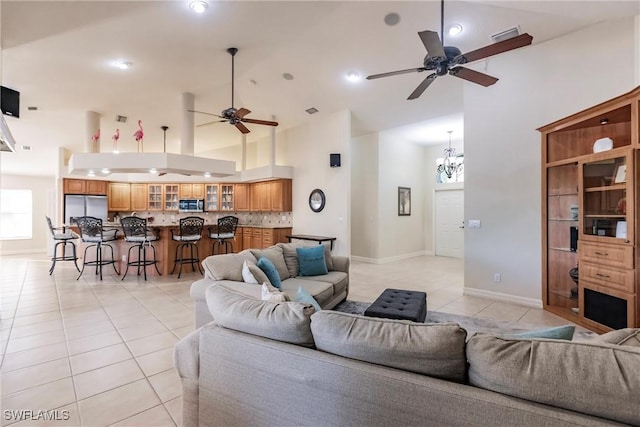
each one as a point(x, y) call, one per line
point(271, 271)
point(555, 333)
point(311, 261)
point(305, 297)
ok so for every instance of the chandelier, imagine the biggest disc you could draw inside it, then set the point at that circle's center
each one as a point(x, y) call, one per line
point(451, 164)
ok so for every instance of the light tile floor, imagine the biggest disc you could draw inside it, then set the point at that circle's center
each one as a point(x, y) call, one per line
point(100, 352)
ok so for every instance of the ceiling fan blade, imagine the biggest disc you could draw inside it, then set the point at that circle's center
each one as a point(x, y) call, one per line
point(395, 73)
point(210, 123)
point(242, 112)
point(423, 86)
point(473, 76)
point(433, 44)
point(202, 112)
point(242, 128)
point(260, 122)
point(496, 48)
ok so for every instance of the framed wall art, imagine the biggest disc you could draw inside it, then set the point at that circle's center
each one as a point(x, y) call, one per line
point(404, 201)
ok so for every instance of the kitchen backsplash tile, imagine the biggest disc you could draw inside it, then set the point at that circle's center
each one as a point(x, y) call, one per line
point(256, 219)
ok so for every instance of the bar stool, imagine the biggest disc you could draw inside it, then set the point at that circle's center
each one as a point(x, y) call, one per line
point(223, 234)
point(67, 236)
point(189, 235)
point(136, 232)
point(91, 231)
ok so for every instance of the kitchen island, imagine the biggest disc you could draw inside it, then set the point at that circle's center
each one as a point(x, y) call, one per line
point(247, 236)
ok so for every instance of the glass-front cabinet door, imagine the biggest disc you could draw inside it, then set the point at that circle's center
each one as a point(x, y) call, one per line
point(211, 197)
point(606, 181)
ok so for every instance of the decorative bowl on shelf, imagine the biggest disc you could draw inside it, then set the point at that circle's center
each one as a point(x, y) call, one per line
point(602, 144)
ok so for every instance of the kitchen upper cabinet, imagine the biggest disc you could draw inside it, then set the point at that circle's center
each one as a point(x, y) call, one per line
point(241, 197)
point(171, 197)
point(96, 187)
point(139, 197)
point(119, 196)
point(154, 197)
point(192, 191)
point(281, 195)
point(260, 196)
point(74, 186)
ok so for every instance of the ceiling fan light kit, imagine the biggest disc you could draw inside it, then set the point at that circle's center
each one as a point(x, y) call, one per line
point(231, 114)
point(198, 6)
point(443, 60)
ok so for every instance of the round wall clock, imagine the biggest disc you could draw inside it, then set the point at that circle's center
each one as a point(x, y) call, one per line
point(317, 200)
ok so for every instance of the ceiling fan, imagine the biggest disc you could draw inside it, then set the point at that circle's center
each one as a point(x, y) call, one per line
point(231, 115)
point(447, 59)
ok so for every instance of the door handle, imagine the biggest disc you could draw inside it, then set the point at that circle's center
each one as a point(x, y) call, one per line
point(461, 226)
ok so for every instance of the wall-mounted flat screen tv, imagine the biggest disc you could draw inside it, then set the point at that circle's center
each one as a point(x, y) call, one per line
point(10, 102)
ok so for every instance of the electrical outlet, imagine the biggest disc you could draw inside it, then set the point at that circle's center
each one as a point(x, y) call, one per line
point(497, 277)
point(124, 258)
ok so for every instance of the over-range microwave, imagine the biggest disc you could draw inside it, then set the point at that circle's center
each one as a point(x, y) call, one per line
point(191, 205)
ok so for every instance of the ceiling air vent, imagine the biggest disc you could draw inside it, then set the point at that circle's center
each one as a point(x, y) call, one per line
point(121, 119)
point(506, 34)
point(32, 108)
point(311, 110)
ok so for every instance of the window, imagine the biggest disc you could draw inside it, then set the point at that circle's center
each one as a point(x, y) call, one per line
point(16, 214)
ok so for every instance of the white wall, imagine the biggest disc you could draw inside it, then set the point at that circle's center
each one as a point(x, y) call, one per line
point(307, 148)
point(43, 191)
point(538, 84)
point(401, 164)
point(364, 197)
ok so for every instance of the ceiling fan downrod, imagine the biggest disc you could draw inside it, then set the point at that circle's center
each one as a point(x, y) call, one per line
point(232, 51)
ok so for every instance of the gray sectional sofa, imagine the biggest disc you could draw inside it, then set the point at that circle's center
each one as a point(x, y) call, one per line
point(328, 289)
point(283, 364)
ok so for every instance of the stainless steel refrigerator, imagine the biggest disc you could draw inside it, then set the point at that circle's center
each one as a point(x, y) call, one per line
point(76, 206)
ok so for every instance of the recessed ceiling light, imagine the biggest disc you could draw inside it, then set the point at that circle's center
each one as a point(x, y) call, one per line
point(91, 173)
point(124, 65)
point(353, 76)
point(198, 6)
point(604, 121)
point(153, 170)
point(105, 170)
point(287, 76)
point(392, 19)
point(454, 29)
point(207, 175)
point(116, 152)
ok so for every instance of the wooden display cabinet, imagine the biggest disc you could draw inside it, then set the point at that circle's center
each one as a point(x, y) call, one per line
point(226, 197)
point(171, 197)
point(212, 197)
point(154, 197)
point(595, 195)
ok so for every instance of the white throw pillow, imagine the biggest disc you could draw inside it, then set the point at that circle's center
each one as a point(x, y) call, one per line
point(272, 294)
point(246, 274)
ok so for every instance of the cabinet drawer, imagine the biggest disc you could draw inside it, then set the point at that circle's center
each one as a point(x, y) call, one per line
point(609, 255)
point(622, 280)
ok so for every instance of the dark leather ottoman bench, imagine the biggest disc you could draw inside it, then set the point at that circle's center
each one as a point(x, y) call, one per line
point(399, 304)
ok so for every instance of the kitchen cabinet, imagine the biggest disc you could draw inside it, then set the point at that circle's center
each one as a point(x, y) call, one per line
point(260, 196)
point(95, 187)
point(171, 197)
point(74, 186)
point(238, 240)
point(154, 197)
point(212, 198)
point(192, 191)
point(281, 195)
point(226, 197)
point(139, 197)
point(241, 197)
point(260, 238)
point(119, 196)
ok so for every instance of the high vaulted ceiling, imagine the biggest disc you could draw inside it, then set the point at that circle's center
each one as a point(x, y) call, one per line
point(60, 56)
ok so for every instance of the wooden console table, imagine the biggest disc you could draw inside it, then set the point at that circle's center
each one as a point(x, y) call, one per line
point(318, 239)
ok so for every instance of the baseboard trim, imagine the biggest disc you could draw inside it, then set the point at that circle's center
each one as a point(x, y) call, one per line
point(24, 252)
point(390, 259)
point(499, 296)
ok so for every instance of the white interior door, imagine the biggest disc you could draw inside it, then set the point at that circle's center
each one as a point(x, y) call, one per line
point(449, 223)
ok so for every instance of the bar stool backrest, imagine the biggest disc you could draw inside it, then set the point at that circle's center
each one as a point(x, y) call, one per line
point(228, 225)
point(191, 226)
point(90, 228)
point(51, 227)
point(134, 226)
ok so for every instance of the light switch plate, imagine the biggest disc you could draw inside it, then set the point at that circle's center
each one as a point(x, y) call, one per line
point(474, 223)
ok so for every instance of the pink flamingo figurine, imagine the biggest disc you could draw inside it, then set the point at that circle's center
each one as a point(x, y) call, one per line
point(116, 137)
point(96, 139)
point(138, 135)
